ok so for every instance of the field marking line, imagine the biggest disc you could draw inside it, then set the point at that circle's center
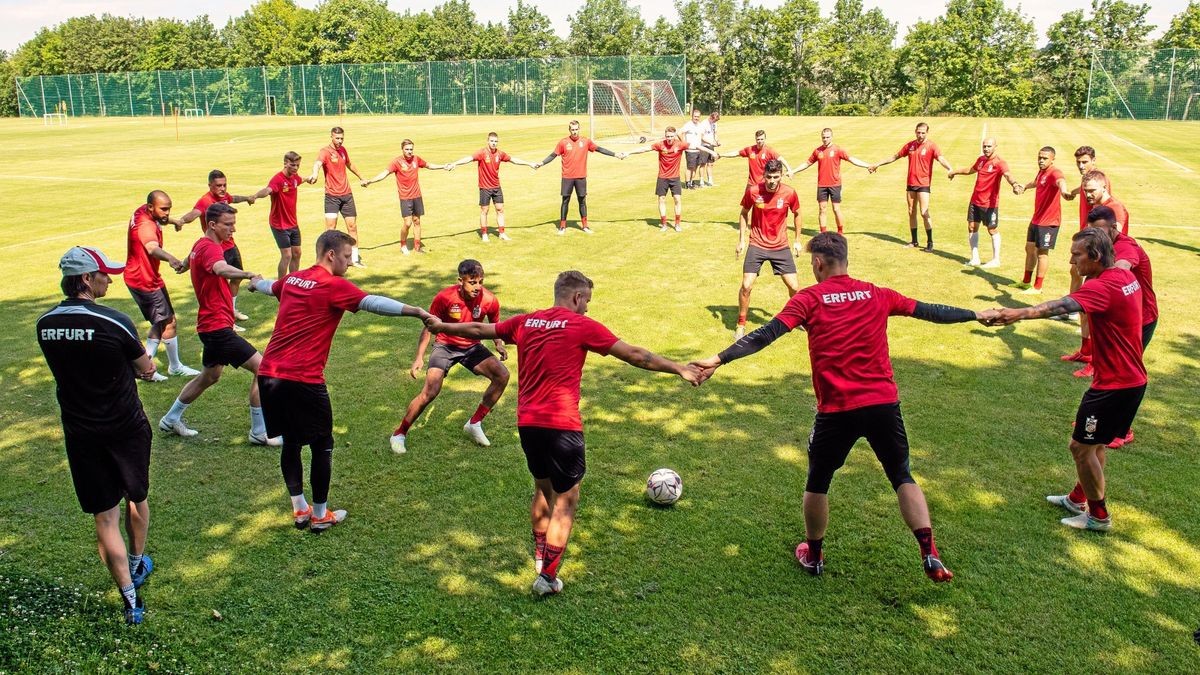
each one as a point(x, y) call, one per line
point(84, 179)
point(80, 233)
point(1164, 227)
point(1152, 154)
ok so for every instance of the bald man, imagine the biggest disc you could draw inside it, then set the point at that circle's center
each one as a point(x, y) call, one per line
point(985, 200)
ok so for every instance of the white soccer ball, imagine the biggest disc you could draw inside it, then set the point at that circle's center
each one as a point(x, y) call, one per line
point(664, 487)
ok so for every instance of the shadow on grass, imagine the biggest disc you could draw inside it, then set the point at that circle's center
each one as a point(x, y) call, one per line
point(1170, 244)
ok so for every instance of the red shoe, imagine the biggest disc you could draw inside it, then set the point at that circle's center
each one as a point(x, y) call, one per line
point(936, 570)
point(813, 567)
point(1129, 437)
point(1078, 356)
point(1117, 443)
point(1085, 371)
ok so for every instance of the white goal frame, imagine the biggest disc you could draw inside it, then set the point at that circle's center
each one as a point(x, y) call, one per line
point(1188, 106)
point(51, 119)
point(639, 103)
point(193, 112)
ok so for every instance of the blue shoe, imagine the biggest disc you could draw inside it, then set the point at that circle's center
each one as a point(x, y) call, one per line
point(136, 614)
point(143, 571)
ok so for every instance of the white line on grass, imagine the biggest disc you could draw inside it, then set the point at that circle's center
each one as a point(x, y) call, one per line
point(84, 179)
point(1152, 225)
point(1152, 154)
point(77, 233)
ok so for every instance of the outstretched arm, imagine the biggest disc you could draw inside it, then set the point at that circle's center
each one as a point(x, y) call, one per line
point(946, 165)
point(263, 286)
point(187, 218)
point(858, 162)
point(227, 271)
point(473, 330)
point(521, 162)
point(1063, 305)
point(638, 151)
point(647, 360)
point(752, 343)
point(383, 306)
point(935, 313)
point(800, 168)
point(380, 176)
point(549, 158)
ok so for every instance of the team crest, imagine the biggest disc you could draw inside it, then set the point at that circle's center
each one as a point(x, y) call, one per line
point(476, 311)
point(779, 203)
point(1089, 425)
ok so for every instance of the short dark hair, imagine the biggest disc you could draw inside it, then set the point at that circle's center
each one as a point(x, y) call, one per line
point(1085, 150)
point(826, 129)
point(1102, 213)
point(831, 246)
point(492, 134)
point(337, 130)
point(333, 240)
point(215, 210)
point(407, 141)
point(73, 285)
point(668, 129)
point(154, 195)
point(1050, 149)
point(760, 132)
point(1095, 175)
point(291, 156)
point(772, 166)
point(470, 268)
point(215, 174)
point(571, 281)
point(1097, 244)
point(923, 124)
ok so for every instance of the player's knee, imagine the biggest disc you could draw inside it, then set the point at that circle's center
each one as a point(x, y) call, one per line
point(898, 474)
point(501, 375)
point(431, 390)
point(322, 448)
point(1079, 451)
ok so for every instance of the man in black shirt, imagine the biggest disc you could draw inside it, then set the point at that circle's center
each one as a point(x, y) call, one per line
point(94, 353)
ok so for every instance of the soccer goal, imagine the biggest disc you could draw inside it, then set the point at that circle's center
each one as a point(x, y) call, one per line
point(54, 118)
point(1189, 108)
point(193, 112)
point(631, 110)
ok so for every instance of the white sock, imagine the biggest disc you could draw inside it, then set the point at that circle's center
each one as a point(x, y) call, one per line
point(319, 509)
point(172, 346)
point(235, 303)
point(134, 561)
point(973, 240)
point(130, 595)
point(152, 347)
point(258, 426)
point(996, 246)
point(354, 253)
point(299, 503)
point(175, 414)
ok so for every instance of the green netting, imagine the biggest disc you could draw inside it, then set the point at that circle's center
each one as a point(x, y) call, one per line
point(1161, 84)
point(492, 87)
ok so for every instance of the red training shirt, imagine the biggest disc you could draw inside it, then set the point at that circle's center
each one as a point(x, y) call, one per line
point(311, 304)
point(1120, 212)
point(202, 205)
point(141, 269)
point(1047, 204)
point(215, 301)
point(846, 320)
point(552, 345)
point(1127, 249)
point(408, 183)
point(1113, 302)
point(283, 201)
point(988, 171)
point(575, 155)
point(1085, 207)
point(829, 164)
point(768, 214)
point(920, 161)
point(449, 306)
point(756, 160)
point(668, 157)
point(488, 163)
point(334, 162)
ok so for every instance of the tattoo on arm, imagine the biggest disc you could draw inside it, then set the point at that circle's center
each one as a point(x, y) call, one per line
point(1063, 305)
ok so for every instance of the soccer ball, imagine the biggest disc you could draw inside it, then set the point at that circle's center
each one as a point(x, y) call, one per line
point(641, 139)
point(664, 487)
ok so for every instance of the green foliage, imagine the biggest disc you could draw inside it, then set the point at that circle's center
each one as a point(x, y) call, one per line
point(8, 94)
point(529, 33)
point(1184, 31)
point(605, 28)
point(854, 56)
point(846, 110)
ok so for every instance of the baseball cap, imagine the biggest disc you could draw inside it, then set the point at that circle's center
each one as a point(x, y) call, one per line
point(85, 259)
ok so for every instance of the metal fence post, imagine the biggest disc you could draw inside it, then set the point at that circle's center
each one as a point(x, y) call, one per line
point(229, 90)
point(475, 65)
point(429, 85)
point(162, 106)
point(1087, 110)
point(42, 84)
point(266, 93)
point(1170, 85)
point(99, 95)
point(129, 86)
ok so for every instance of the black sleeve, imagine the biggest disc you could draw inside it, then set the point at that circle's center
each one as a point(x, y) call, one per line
point(942, 313)
point(755, 341)
point(549, 158)
point(605, 151)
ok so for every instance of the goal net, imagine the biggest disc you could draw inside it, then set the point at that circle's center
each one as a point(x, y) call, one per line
point(631, 110)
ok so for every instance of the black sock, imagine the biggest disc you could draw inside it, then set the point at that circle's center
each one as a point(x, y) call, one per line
point(913, 231)
point(814, 549)
point(929, 237)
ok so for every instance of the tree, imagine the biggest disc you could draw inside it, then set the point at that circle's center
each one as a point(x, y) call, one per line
point(1184, 31)
point(530, 33)
point(354, 31)
point(173, 45)
point(1117, 24)
point(271, 33)
point(854, 56)
point(605, 28)
point(8, 94)
point(453, 33)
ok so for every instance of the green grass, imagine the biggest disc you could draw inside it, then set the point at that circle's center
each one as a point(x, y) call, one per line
point(432, 568)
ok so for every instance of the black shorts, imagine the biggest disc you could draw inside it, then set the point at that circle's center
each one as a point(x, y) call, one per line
point(233, 256)
point(155, 305)
point(1105, 414)
point(289, 238)
point(834, 434)
point(705, 158)
point(579, 185)
point(990, 218)
point(298, 411)
point(343, 204)
point(491, 195)
point(106, 468)
point(665, 185)
point(693, 159)
point(555, 454)
point(917, 188)
point(830, 194)
point(225, 348)
point(1148, 333)
point(781, 260)
point(1042, 237)
point(445, 356)
point(412, 207)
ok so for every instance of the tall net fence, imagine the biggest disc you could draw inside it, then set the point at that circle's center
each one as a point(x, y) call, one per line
point(1155, 84)
point(493, 87)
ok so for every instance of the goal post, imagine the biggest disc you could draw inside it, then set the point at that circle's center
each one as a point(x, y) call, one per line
point(631, 110)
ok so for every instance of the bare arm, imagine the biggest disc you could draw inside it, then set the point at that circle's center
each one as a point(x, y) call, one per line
point(1062, 189)
point(227, 271)
point(265, 192)
point(473, 330)
point(316, 169)
point(800, 168)
point(963, 172)
point(459, 162)
point(419, 359)
point(520, 162)
point(354, 170)
point(156, 251)
point(858, 162)
point(380, 176)
point(946, 165)
point(639, 151)
point(243, 199)
point(743, 229)
point(186, 218)
point(1063, 305)
point(647, 360)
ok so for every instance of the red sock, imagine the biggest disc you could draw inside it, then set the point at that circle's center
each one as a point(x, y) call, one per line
point(483, 230)
point(823, 228)
point(501, 230)
point(1086, 346)
point(924, 537)
point(416, 244)
point(551, 560)
point(662, 219)
point(539, 545)
point(562, 224)
point(1097, 508)
point(583, 221)
point(741, 319)
point(403, 428)
point(480, 413)
point(1028, 276)
point(1037, 283)
point(1077, 495)
point(840, 230)
point(678, 216)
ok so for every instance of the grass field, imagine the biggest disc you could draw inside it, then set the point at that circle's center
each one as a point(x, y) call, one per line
point(432, 568)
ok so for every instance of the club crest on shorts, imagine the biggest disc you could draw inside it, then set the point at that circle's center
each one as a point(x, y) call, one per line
point(1089, 425)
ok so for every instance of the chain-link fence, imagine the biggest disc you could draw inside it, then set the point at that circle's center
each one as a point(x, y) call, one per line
point(1155, 84)
point(492, 87)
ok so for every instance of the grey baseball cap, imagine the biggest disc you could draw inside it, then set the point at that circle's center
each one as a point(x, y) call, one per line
point(85, 259)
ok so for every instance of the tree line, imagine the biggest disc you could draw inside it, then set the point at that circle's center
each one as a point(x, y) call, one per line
point(980, 57)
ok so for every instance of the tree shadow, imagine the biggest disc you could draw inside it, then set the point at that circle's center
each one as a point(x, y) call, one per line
point(1170, 244)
